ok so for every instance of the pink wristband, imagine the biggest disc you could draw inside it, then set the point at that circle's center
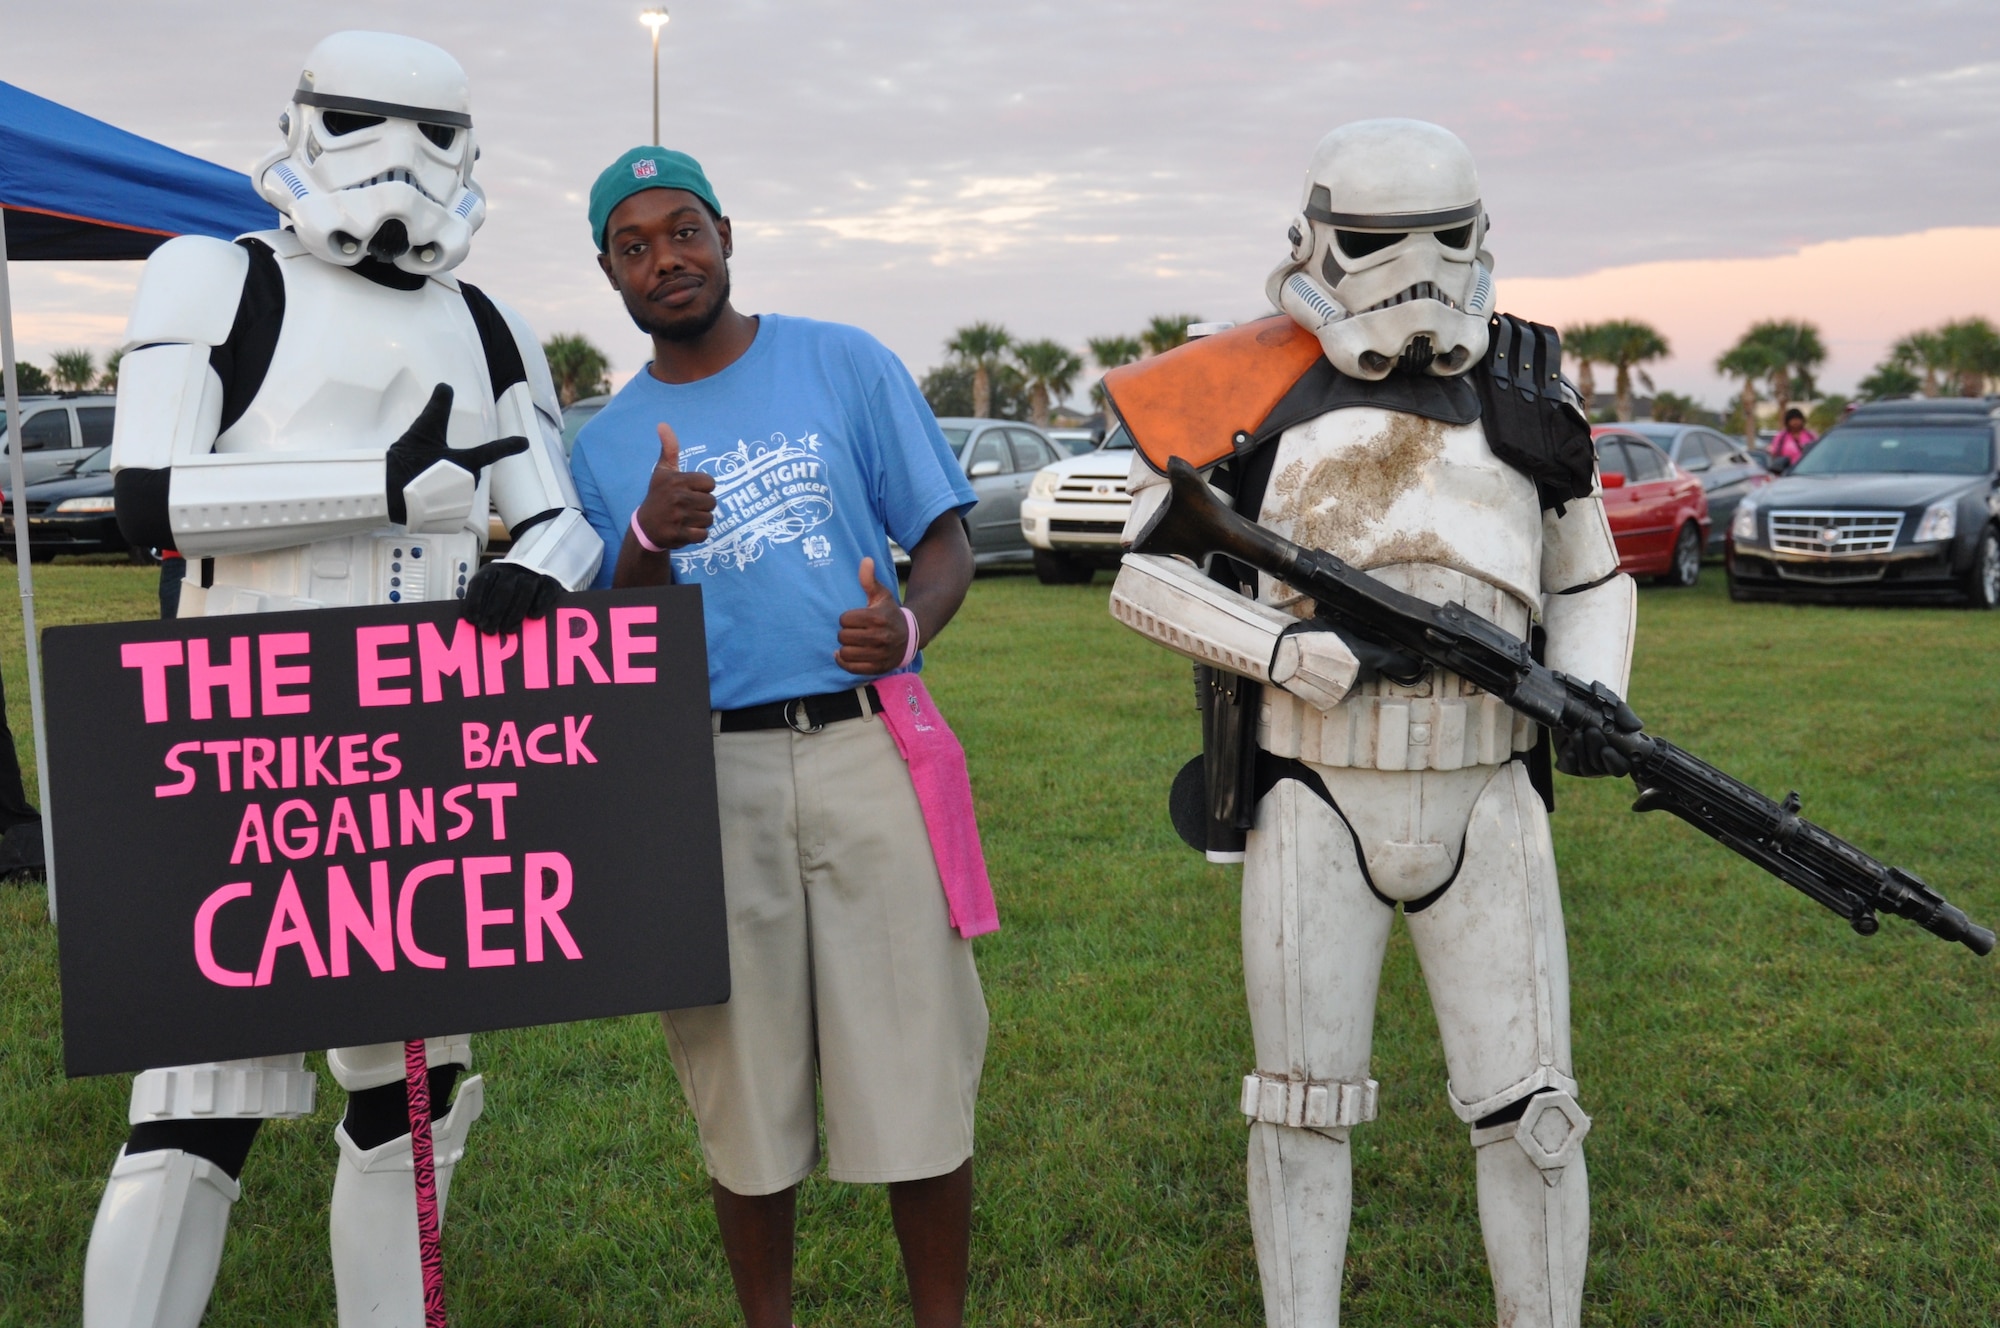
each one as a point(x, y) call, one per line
point(910, 646)
point(640, 535)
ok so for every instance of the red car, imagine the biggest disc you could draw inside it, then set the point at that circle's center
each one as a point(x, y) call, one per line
point(1659, 515)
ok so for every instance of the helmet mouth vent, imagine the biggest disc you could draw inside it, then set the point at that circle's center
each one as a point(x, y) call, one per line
point(389, 243)
point(397, 175)
point(1423, 290)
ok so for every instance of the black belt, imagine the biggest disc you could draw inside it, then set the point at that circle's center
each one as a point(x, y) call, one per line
point(802, 714)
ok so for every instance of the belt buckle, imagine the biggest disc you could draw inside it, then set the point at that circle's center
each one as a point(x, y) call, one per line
point(795, 710)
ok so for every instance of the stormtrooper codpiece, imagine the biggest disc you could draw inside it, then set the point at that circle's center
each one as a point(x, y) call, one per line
point(318, 416)
point(1379, 418)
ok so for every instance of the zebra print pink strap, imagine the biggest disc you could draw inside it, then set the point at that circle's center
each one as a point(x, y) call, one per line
point(430, 1249)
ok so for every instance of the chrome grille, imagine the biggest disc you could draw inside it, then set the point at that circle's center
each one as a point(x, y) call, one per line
point(1832, 534)
point(1092, 489)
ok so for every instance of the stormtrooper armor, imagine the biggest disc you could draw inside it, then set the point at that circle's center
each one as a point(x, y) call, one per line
point(1376, 794)
point(308, 415)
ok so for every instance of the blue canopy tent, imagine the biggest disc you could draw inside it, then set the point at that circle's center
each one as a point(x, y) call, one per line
point(76, 188)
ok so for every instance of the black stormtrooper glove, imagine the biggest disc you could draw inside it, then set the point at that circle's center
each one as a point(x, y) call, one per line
point(502, 596)
point(1589, 752)
point(423, 446)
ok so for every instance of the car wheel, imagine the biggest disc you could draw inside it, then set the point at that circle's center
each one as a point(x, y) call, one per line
point(1982, 583)
point(1061, 569)
point(36, 555)
point(1685, 569)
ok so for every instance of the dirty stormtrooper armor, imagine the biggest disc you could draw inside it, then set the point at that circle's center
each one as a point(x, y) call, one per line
point(1390, 794)
point(265, 390)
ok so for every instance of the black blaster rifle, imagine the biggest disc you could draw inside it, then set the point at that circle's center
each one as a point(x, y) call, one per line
point(1194, 524)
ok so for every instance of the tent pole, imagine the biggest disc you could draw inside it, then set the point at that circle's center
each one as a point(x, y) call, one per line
point(16, 482)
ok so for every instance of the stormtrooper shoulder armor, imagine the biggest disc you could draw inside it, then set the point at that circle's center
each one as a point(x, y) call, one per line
point(1211, 399)
point(188, 293)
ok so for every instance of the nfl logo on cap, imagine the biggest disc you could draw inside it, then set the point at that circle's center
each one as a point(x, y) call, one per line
point(645, 169)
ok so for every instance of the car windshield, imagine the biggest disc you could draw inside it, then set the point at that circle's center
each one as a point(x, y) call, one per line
point(1119, 441)
point(1887, 449)
point(955, 438)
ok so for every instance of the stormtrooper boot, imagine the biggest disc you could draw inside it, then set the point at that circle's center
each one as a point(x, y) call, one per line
point(157, 1241)
point(377, 1274)
point(1301, 1196)
point(1534, 1210)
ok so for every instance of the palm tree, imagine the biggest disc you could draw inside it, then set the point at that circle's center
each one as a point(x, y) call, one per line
point(1050, 369)
point(1922, 352)
point(1625, 345)
point(73, 370)
point(980, 345)
point(1890, 379)
point(107, 381)
point(1166, 331)
point(1109, 353)
point(1750, 360)
point(1585, 344)
point(1795, 352)
point(577, 365)
point(1972, 352)
point(30, 379)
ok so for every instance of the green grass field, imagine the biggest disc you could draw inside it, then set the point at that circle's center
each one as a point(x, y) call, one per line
point(1794, 1124)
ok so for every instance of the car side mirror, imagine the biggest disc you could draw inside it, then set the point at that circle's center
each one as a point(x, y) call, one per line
point(1613, 481)
point(981, 469)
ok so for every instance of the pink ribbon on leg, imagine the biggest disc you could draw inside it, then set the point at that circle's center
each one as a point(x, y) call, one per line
point(430, 1246)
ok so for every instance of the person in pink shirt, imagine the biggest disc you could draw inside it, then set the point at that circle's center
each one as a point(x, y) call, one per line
point(1793, 440)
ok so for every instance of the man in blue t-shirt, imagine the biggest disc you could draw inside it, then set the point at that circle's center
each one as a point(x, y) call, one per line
point(770, 461)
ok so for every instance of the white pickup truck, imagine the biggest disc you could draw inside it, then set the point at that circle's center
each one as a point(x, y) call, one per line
point(1075, 512)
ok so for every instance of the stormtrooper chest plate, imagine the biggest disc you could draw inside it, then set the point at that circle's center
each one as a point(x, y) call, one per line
point(1383, 489)
point(355, 362)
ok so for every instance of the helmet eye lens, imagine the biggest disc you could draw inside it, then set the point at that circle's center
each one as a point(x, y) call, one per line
point(338, 123)
point(441, 135)
point(1360, 244)
point(1457, 237)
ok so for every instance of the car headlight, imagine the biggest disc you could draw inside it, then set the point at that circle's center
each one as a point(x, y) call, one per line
point(1940, 521)
point(1044, 484)
point(1744, 527)
point(104, 504)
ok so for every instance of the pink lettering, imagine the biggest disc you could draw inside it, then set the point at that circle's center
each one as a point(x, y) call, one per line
point(454, 802)
point(406, 900)
point(316, 770)
point(288, 763)
point(251, 834)
point(204, 678)
point(307, 835)
point(624, 644)
point(204, 937)
point(574, 647)
point(496, 650)
point(258, 753)
point(342, 822)
point(437, 661)
point(186, 771)
point(535, 654)
point(221, 752)
point(478, 917)
point(496, 796)
point(371, 669)
point(353, 756)
point(289, 926)
point(271, 648)
point(378, 820)
point(540, 911)
point(508, 739)
point(392, 765)
point(344, 918)
point(473, 737)
point(414, 818)
point(573, 749)
point(153, 659)
point(535, 752)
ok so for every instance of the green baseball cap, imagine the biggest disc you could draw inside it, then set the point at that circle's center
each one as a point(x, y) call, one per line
point(645, 168)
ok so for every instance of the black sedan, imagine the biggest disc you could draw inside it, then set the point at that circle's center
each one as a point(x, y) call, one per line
point(1900, 501)
point(72, 513)
point(1728, 474)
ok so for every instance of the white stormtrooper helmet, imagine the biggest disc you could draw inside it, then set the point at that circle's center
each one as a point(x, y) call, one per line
point(378, 155)
point(1387, 265)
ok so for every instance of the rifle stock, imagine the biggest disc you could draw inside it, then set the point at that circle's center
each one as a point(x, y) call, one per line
point(1193, 523)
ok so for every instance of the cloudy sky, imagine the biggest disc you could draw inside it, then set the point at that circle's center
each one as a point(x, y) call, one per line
point(1069, 169)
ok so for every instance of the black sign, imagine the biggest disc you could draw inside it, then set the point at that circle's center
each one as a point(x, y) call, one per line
point(282, 832)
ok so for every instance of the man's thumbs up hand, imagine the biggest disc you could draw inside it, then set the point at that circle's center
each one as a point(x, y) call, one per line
point(679, 506)
point(875, 637)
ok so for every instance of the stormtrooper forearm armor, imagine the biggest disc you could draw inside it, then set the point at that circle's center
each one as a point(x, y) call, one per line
point(1590, 608)
point(533, 492)
point(1172, 603)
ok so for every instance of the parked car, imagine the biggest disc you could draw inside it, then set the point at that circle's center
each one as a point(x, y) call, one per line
point(1727, 473)
point(1900, 500)
point(72, 513)
point(1075, 512)
point(56, 432)
point(1072, 442)
point(1000, 458)
point(1659, 518)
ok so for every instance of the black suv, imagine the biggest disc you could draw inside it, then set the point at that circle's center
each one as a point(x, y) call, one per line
point(1901, 500)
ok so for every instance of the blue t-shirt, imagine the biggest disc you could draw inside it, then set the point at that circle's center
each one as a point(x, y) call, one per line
point(822, 450)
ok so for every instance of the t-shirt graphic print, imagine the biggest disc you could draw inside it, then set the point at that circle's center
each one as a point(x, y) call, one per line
point(770, 492)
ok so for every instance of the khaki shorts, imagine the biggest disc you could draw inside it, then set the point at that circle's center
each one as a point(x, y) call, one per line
point(841, 958)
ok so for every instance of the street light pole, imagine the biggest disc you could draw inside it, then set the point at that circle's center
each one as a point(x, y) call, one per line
point(655, 19)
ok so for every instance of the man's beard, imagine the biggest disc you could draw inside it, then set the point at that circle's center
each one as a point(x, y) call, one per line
point(691, 325)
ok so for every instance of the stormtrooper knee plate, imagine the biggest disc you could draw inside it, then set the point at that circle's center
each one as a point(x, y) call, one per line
point(1534, 1210)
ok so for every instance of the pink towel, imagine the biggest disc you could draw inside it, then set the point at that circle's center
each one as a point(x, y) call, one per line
point(944, 791)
